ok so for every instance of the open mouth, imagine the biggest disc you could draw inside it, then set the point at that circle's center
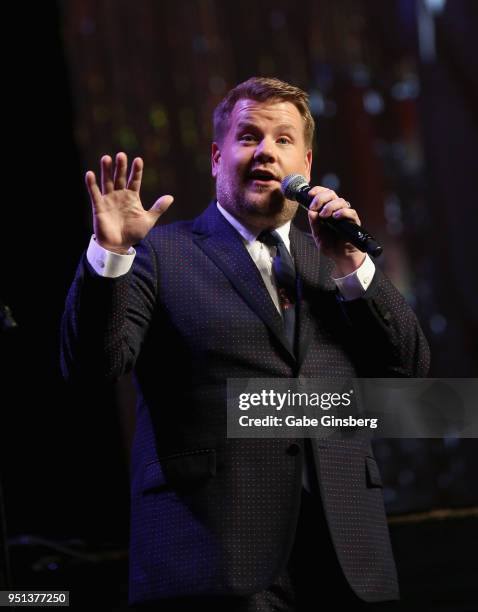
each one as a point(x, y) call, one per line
point(262, 176)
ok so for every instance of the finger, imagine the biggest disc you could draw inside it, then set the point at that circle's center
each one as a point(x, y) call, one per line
point(93, 189)
point(136, 174)
point(107, 184)
point(347, 213)
point(321, 197)
point(120, 170)
point(161, 206)
point(332, 206)
point(316, 189)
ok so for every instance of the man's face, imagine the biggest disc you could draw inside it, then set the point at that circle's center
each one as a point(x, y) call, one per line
point(265, 143)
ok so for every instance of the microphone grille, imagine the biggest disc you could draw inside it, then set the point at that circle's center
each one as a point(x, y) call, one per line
point(291, 184)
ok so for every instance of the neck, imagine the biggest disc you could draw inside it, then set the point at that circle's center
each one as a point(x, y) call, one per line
point(257, 223)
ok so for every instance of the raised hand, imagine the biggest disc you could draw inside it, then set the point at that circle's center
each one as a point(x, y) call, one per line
point(119, 219)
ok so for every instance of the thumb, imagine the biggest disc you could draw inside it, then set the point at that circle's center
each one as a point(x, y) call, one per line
point(313, 220)
point(161, 206)
point(313, 215)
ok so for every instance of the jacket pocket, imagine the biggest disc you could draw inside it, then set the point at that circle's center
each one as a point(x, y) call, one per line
point(184, 469)
point(374, 479)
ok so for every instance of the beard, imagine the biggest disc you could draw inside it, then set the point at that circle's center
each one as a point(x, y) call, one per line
point(264, 207)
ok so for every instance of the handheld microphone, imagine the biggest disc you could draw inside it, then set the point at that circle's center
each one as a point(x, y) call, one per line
point(295, 187)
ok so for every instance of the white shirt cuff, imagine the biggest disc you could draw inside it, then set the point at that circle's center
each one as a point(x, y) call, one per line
point(108, 264)
point(355, 284)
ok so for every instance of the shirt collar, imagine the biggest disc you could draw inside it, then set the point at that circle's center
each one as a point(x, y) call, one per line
point(251, 236)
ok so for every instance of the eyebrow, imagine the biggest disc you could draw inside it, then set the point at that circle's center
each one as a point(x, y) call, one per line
point(287, 127)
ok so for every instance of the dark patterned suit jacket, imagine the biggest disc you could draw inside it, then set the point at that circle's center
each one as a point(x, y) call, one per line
point(211, 514)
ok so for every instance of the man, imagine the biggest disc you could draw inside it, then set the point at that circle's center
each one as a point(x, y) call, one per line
point(231, 522)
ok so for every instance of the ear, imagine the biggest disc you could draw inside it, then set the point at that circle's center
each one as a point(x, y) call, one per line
point(308, 164)
point(215, 158)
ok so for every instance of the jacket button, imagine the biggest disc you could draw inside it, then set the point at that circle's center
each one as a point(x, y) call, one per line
point(387, 316)
point(293, 450)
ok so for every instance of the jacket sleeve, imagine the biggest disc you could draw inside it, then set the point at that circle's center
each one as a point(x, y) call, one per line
point(384, 333)
point(106, 320)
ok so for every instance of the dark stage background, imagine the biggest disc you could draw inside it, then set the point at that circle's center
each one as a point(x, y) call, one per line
point(394, 90)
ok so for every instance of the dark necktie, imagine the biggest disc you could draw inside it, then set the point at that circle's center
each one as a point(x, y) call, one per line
point(286, 281)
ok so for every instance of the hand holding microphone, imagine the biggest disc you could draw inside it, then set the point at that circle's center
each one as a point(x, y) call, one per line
point(295, 187)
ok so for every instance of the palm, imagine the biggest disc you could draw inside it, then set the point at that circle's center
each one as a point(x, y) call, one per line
point(119, 219)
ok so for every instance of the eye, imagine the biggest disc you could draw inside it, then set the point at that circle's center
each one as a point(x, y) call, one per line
point(283, 140)
point(247, 137)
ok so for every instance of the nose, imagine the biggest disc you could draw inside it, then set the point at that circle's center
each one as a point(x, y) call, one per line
point(265, 150)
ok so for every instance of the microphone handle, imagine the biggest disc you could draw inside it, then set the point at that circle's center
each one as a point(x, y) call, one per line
point(351, 232)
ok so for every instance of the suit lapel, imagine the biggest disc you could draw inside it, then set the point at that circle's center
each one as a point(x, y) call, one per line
point(216, 237)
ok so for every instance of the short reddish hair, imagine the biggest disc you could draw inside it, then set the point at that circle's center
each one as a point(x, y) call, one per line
point(262, 89)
